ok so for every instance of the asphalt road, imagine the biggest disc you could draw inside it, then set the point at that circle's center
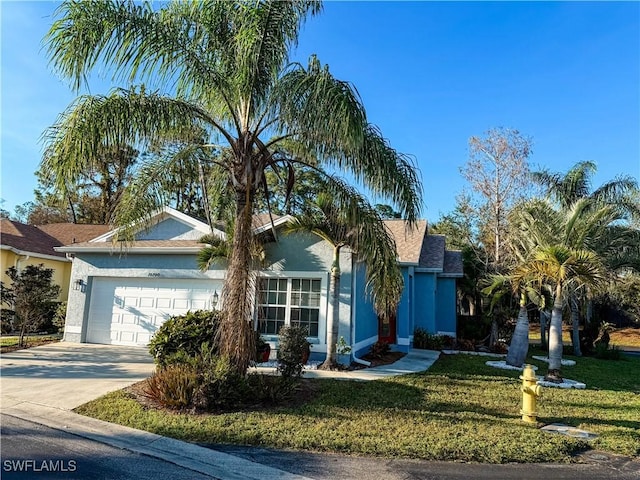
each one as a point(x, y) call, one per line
point(331, 467)
point(32, 451)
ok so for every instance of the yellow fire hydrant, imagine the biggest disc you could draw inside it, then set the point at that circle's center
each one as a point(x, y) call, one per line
point(530, 393)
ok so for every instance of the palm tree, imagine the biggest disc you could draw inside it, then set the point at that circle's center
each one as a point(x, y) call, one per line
point(561, 267)
point(604, 225)
point(501, 286)
point(344, 218)
point(227, 65)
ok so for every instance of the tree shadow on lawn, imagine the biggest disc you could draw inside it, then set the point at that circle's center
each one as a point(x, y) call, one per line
point(385, 395)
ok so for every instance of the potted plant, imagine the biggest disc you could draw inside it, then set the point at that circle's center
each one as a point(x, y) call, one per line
point(263, 349)
point(343, 352)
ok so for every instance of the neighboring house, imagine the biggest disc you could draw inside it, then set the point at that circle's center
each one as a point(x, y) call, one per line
point(22, 245)
point(128, 290)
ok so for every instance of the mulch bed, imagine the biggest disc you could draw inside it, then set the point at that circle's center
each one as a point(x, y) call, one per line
point(387, 359)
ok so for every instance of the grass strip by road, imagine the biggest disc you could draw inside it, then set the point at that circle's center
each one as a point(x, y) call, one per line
point(11, 341)
point(459, 410)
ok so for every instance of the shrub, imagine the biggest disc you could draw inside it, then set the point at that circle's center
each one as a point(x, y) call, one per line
point(293, 350)
point(499, 347)
point(379, 349)
point(173, 386)
point(31, 295)
point(183, 335)
point(219, 385)
point(269, 389)
point(427, 341)
point(466, 345)
point(6, 320)
point(604, 352)
point(59, 317)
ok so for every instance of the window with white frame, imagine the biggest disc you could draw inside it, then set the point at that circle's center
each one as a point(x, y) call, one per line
point(288, 301)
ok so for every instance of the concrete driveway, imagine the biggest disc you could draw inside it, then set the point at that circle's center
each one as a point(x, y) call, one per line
point(65, 375)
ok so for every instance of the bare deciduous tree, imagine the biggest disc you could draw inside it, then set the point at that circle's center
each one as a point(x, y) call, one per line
point(497, 171)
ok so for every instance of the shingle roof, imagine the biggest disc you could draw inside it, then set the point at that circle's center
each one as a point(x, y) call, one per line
point(432, 253)
point(408, 242)
point(27, 238)
point(42, 239)
point(68, 233)
point(453, 262)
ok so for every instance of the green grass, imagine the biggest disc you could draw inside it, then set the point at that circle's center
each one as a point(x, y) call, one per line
point(12, 340)
point(460, 409)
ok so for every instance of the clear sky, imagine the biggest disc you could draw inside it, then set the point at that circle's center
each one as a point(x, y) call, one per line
point(430, 74)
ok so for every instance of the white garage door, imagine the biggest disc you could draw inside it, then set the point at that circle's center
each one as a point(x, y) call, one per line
point(127, 311)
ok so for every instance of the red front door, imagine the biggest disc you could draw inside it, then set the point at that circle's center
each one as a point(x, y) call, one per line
point(387, 329)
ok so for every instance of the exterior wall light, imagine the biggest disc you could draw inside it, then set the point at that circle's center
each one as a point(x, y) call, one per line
point(214, 299)
point(79, 285)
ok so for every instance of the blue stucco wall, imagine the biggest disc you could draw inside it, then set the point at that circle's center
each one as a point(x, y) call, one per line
point(425, 305)
point(365, 318)
point(446, 319)
point(406, 310)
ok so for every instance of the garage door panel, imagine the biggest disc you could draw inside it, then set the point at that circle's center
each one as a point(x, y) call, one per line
point(127, 311)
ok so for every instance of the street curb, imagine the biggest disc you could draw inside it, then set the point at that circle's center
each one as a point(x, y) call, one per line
point(219, 465)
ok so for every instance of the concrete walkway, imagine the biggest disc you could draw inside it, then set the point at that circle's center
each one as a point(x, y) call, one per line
point(413, 362)
point(43, 384)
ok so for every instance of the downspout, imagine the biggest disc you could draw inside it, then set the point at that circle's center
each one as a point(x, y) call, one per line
point(18, 260)
point(353, 319)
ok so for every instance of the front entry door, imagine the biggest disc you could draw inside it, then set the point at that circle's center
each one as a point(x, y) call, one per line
point(387, 329)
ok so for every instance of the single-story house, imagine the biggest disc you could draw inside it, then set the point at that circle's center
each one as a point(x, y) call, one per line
point(22, 245)
point(126, 291)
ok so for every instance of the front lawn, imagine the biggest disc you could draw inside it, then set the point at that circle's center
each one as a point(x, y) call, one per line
point(460, 409)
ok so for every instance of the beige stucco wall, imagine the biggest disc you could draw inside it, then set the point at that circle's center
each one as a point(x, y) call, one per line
point(61, 269)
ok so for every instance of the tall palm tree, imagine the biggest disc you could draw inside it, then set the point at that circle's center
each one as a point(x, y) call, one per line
point(344, 218)
point(227, 65)
point(562, 267)
point(567, 188)
point(609, 209)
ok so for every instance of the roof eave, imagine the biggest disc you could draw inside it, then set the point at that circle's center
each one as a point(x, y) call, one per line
point(127, 250)
point(43, 256)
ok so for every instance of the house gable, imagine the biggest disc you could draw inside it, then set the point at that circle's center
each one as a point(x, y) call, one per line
point(166, 224)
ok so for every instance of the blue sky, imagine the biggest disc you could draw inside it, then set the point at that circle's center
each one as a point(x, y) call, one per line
point(430, 74)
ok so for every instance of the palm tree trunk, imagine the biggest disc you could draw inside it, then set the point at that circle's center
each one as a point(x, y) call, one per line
point(493, 335)
point(555, 339)
point(519, 346)
point(575, 322)
point(235, 335)
point(544, 316)
point(333, 312)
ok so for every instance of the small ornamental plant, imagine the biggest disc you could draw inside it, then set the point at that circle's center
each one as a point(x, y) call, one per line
point(342, 348)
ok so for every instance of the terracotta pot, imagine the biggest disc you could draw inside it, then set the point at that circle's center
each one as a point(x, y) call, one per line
point(265, 352)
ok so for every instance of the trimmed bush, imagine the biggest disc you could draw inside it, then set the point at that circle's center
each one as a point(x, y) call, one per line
point(181, 337)
point(427, 341)
point(293, 351)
